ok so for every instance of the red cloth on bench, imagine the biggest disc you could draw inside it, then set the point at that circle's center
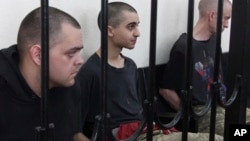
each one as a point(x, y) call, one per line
point(127, 129)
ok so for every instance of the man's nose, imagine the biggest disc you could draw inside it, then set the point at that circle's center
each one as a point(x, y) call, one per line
point(79, 60)
point(226, 24)
point(137, 32)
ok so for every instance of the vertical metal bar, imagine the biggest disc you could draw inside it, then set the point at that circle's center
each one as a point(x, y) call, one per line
point(104, 54)
point(213, 110)
point(216, 70)
point(151, 84)
point(188, 71)
point(218, 41)
point(45, 65)
point(240, 49)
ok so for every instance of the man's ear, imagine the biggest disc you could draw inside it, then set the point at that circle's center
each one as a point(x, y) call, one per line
point(110, 31)
point(212, 15)
point(35, 53)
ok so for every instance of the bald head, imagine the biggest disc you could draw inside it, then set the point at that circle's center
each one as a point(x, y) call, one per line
point(206, 6)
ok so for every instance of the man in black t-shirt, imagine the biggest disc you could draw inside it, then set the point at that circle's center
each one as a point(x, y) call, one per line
point(123, 102)
point(202, 60)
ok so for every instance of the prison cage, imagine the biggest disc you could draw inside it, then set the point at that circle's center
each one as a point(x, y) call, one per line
point(237, 74)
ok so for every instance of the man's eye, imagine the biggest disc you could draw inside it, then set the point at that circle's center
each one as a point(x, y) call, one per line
point(131, 26)
point(71, 54)
point(74, 51)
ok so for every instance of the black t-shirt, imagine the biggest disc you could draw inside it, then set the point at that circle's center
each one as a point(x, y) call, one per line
point(203, 54)
point(123, 102)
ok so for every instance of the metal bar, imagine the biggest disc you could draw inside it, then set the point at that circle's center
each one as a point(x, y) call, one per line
point(45, 65)
point(218, 41)
point(239, 48)
point(187, 93)
point(151, 84)
point(215, 85)
point(104, 54)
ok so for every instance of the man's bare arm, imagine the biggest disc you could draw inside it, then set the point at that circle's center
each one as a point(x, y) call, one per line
point(80, 137)
point(171, 97)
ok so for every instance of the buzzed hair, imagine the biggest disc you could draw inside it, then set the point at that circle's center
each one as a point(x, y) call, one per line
point(115, 13)
point(30, 29)
point(208, 5)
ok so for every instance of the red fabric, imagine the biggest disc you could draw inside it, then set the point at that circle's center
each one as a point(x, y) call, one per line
point(127, 129)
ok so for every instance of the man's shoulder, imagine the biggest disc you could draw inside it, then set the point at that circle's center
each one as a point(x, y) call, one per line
point(92, 62)
point(9, 50)
point(182, 39)
point(180, 44)
point(129, 60)
point(92, 65)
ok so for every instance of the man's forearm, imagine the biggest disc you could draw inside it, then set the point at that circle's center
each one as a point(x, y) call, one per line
point(80, 137)
point(171, 97)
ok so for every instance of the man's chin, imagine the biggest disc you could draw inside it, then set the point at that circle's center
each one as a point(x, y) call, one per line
point(69, 84)
point(131, 47)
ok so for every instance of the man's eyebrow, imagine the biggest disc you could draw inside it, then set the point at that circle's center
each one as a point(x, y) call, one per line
point(75, 48)
point(133, 23)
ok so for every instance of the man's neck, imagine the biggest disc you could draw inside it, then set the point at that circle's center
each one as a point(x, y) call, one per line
point(201, 31)
point(115, 58)
point(31, 77)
